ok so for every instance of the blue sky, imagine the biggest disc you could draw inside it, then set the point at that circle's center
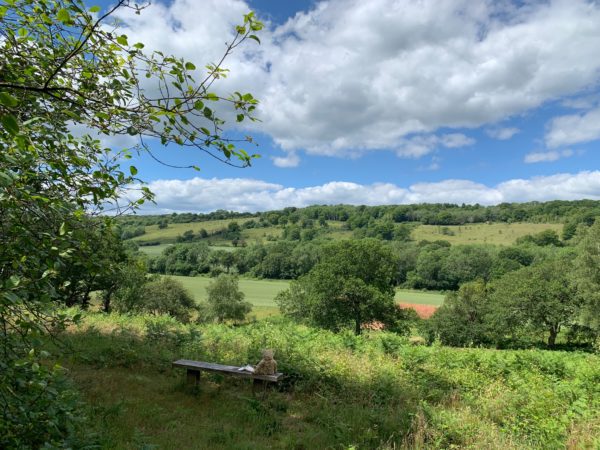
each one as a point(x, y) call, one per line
point(392, 101)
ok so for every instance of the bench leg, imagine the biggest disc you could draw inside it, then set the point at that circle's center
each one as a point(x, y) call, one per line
point(259, 385)
point(193, 377)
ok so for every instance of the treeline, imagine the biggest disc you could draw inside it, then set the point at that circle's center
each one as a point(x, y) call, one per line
point(558, 211)
point(419, 265)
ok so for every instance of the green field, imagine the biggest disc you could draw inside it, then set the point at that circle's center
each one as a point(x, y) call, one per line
point(261, 293)
point(169, 234)
point(493, 233)
point(481, 233)
point(154, 250)
point(419, 297)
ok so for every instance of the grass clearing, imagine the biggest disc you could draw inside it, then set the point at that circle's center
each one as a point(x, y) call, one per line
point(481, 233)
point(153, 250)
point(433, 298)
point(261, 293)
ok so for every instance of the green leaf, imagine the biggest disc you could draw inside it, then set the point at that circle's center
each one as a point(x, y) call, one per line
point(133, 170)
point(63, 229)
point(190, 66)
point(63, 15)
point(122, 40)
point(9, 122)
point(254, 37)
point(94, 9)
point(8, 100)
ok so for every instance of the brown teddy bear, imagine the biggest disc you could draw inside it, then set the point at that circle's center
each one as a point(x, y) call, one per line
point(267, 365)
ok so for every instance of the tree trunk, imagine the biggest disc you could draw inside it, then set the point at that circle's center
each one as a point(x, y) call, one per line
point(357, 322)
point(552, 337)
point(106, 298)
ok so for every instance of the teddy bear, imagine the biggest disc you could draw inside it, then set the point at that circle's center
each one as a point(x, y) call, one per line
point(267, 365)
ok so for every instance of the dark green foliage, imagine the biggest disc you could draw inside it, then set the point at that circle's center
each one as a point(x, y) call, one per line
point(167, 296)
point(350, 286)
point(588, 277)
point(538, 298)
point(183, 259)
point(48, 411)
point(462, 319)
point(543, 238)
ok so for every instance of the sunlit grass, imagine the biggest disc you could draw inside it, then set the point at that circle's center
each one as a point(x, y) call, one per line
point(481, 233)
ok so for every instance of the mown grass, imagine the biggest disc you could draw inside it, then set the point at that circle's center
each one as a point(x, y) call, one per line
point(341, 391)
point(493, 233)
point(154, 250)
point(261, 293)
point(419, 297)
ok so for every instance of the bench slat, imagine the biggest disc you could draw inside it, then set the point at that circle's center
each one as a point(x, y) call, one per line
point(220, 368)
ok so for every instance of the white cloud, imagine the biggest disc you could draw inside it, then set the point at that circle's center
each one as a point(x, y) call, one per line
point(502, 134)
point(554, 155)
point(574, 129)
point(351, 75)
point(241, 194)
point(290, 160)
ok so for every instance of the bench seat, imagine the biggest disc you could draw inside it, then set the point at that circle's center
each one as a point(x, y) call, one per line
point(195, 367)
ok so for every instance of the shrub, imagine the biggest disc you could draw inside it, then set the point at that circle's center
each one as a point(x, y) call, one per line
point(166, 296)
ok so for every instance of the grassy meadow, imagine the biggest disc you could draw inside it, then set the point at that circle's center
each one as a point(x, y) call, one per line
point(481, 233)
point(261, 293)
point(374, 391)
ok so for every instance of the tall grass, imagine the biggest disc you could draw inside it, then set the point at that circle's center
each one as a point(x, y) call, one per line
point(371, 391)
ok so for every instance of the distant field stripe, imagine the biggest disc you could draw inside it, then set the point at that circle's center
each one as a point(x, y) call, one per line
point(258, 292)
point(423, 311)
point(419, 297)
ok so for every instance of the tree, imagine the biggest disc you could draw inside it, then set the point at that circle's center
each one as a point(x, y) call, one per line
point(62, 68)
point(541, 297)
point(461, 320)
point(225, 300)
point(352, 285)
point(588, 276)
point(165, 295)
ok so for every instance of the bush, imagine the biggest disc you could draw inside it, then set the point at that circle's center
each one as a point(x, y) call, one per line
point(166, 296)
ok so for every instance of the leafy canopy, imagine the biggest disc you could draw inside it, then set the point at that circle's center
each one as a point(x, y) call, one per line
point(64, 67)
point(352, 285)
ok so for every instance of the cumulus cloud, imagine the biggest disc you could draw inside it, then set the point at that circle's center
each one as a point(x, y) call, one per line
point(574, 129)
point(242, 194)
point(350, 76)
point(290, 160)
point(502, 134)
point(554, 155)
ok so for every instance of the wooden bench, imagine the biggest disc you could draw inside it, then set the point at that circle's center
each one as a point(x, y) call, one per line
point(195, 367)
